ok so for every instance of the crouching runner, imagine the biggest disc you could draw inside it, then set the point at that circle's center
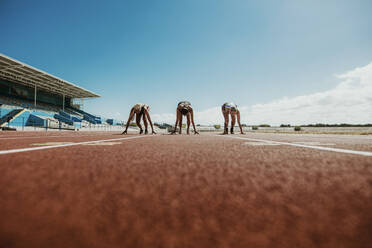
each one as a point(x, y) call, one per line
point(184, 109)
point(141, 111)
point(231, 109)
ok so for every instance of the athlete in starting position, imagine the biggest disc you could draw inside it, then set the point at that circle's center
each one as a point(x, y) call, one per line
point(230, 108)
point(140, 110)
point(184, 108)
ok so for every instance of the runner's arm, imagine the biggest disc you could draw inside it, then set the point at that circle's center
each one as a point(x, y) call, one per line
point(240, 125)
point(192, 120)
point(177, 118)
point(131, 115)
point(149, 118)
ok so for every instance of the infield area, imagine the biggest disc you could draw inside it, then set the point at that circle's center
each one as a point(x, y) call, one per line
point(103, 189)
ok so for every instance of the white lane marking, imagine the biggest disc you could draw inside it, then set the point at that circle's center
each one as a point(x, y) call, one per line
point(62, 143)
point(53, 136)
point(65, 145)
point(304, 146)
point(51, 143)
point(315, 143)
point(104, 144)
point(256, 143)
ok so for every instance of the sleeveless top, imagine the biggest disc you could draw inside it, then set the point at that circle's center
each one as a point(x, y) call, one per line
point(138, 107)
point(184, 104)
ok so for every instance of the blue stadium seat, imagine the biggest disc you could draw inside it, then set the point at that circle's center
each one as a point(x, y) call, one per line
point(63, 119)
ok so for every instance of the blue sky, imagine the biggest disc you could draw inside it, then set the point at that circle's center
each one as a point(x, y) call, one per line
point(204, 51)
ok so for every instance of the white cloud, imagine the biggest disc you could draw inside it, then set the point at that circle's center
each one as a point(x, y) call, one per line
point(349, 102)
point(164, 118)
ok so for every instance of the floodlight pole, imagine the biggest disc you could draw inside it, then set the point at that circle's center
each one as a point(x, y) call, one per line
point(63, 104)
point(35, 97)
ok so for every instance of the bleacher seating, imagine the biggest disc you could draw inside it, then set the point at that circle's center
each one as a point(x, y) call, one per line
point(70, 117)
point(36, 117)
point(35, 121)
point(10, 116)
point(28, 104)
point(21, 119)
point(4, 111)
point(63, 119)
point(88, 117)
point(75, 119)
point(39, 119)
point(110, 121)
point(64, 114)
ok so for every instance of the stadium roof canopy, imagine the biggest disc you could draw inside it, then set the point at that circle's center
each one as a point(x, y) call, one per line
point(16, 71)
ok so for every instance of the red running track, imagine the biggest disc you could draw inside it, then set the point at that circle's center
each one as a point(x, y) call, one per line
point(184, 191)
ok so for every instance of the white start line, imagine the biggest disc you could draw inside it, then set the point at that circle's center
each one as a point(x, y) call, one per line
point(66, 145)
point(47, 136)
point(331, 149)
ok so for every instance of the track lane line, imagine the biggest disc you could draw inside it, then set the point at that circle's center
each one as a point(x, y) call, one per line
point(46, 136)
point(66, 145)
point(331, 149)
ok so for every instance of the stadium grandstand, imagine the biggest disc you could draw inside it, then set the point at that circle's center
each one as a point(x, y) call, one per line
point(32, 97)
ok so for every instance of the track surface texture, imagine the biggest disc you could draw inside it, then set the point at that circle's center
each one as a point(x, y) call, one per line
point(184, 191)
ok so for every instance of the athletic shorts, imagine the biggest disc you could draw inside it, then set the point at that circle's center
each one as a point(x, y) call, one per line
point(230, 106)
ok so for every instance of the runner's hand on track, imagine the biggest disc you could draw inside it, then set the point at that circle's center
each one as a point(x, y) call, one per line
point(125, 132)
